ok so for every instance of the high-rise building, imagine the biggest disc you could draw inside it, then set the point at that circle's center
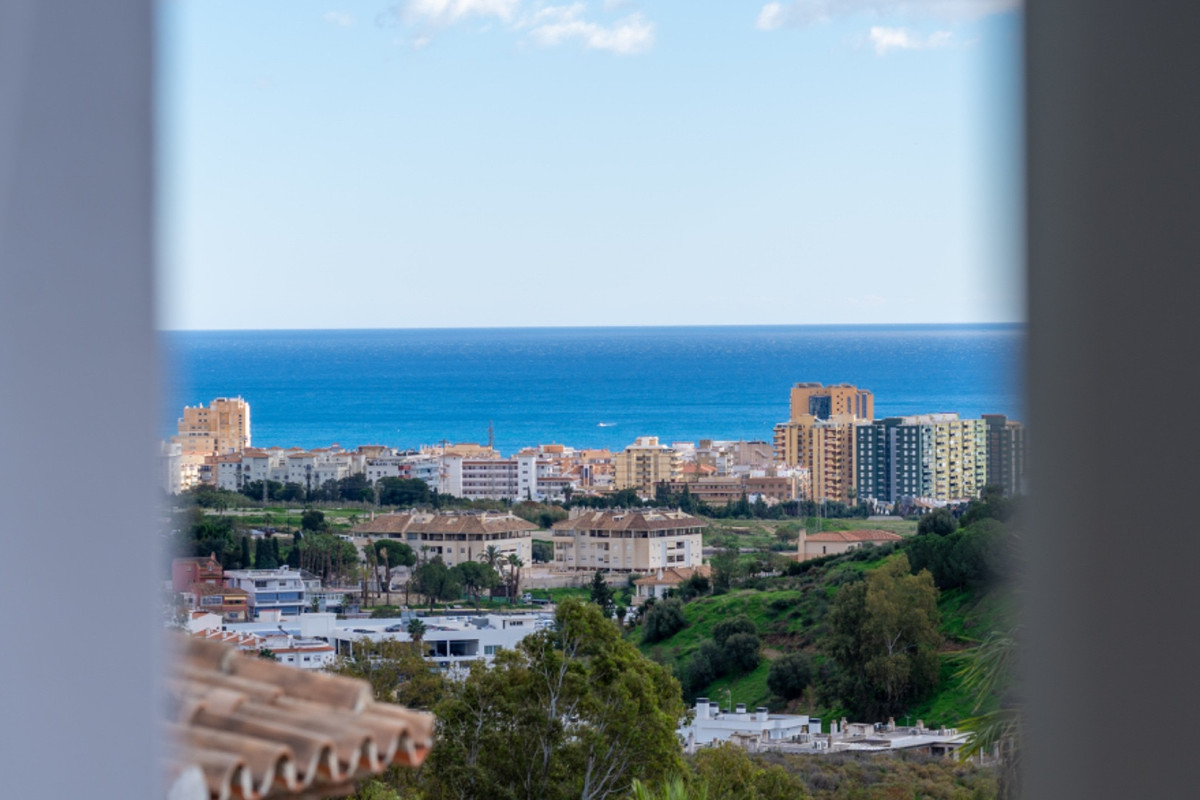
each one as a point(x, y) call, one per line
point(1005, 453)
point(644, 464)
point(819, 436)
point(223, 427)
point(826, 402)
point(937, 456)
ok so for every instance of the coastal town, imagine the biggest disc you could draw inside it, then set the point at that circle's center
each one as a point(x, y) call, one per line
point(463, 552)
point(831, 449)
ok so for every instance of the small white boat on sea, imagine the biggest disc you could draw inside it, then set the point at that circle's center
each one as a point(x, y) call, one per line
point(605, 424)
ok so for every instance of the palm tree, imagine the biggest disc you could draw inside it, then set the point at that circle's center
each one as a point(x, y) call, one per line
point(673, 789)
point(986, 673)
point(514, 576)
point(416, 629)
point(494, 559)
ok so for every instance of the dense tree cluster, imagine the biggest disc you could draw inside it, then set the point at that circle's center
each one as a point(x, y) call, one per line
point(884, 638)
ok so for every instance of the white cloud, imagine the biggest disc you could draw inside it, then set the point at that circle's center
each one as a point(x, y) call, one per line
point(799, 13)
point(555, 25)
point(886, 39)
point(448, 12)
point(338, 18)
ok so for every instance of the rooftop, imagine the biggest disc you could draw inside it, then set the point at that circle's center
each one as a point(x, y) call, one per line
point(257, 729)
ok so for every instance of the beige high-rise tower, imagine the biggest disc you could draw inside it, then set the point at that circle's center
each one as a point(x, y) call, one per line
point(819, 436)
point(223, 427)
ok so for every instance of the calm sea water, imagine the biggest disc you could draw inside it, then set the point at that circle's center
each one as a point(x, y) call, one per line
point(404, 388)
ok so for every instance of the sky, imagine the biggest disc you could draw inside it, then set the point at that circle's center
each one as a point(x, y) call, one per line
point(497, 163)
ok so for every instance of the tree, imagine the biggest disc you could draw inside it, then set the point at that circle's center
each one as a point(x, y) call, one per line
point(476, 577)
point(570, 713)
point(397, 672)
point(728, 627)
point(729, 773)
point(403, 491)
point(437, 582)
point(313, 520)
point(416, 629)
point(725, 566)
point(663, 620)
point(601, 594)
point(514, 577)
point(741, 652)
point(940, 522)
point(883, 635)
point(790, 675)
point(495, 559)
point(696, 585)
point(265, 554)
point(392, 554)
point(543, 552)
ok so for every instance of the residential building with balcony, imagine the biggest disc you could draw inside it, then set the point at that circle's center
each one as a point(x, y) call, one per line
point(619, 540)
point(280, 590)
point(824, 447)
point(935, 456)
point(644, 464)
point(454, 537)
point(1006, 442)
point(221, 427)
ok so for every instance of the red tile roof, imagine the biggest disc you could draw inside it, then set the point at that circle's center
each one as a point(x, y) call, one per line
point(855, 536)
point(259, 729)
point(649, 520)
point(444, 523)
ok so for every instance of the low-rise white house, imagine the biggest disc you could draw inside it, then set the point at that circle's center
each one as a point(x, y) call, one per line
point(453, 642)
point(711, 725)
point(279, 590)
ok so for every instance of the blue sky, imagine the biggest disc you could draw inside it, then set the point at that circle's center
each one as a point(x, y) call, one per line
point(477, 163)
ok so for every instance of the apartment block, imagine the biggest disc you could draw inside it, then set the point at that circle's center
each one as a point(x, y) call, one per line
point(823, 447)
point(642, 540)
point(935, 456)
point(827, 402)
point(1005, 453)
point(221, 427)
point(455, 537)
point(644, 464)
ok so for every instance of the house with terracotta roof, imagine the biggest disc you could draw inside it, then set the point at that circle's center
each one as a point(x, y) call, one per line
point(665, 580)
point(454, 537)
point(834, 542)
point(627, 540)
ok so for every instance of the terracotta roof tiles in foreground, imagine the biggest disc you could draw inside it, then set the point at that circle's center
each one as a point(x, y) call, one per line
point(258, 729)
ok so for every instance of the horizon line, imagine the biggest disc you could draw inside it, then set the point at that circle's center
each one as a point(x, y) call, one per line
point(731, 325)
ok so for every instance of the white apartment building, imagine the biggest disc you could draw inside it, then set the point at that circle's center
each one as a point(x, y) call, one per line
point(280, 590)
point(642, 540)
point(513, 479)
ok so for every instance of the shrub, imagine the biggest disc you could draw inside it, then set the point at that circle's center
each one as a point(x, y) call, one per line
point(726, 628)
point(740, 652)
point(663, 620)
point(790, 675)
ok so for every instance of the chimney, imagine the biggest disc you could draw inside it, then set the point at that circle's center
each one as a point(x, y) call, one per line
point(760, 714)
point(702, 708)
point(740, 708)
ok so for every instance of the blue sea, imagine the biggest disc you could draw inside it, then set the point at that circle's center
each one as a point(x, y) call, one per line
point(586, 387)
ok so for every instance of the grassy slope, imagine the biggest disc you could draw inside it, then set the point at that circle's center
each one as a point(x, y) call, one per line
point(788, 613)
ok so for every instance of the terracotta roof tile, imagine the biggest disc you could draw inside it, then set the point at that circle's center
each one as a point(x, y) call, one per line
point(259, 729)
point(444, 523)
point(650, 520)
point(854, 536)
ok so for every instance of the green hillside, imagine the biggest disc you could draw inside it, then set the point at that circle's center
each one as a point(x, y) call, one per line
point(789, 613)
